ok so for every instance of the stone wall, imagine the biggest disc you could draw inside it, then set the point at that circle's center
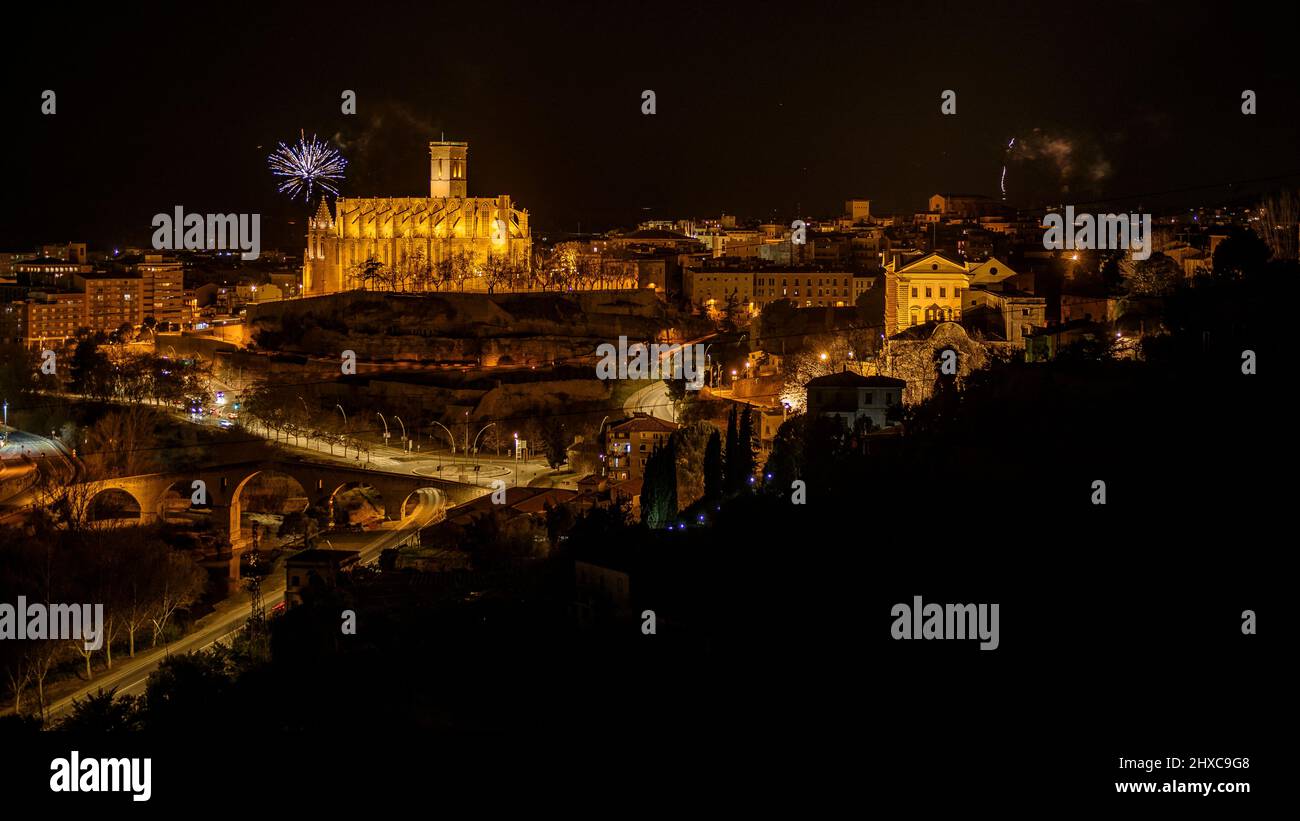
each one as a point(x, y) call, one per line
point(523, 328)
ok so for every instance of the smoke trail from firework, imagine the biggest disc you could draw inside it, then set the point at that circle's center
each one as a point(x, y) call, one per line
point(1009, 147)
point(306, 165)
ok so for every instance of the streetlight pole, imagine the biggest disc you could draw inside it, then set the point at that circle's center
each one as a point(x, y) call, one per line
point(480, 433)
point(403, 424)
point(600, 440)
point(476, 436)
point(306, 419)
point(345, 430)
point(450, 437)
point(385, 421)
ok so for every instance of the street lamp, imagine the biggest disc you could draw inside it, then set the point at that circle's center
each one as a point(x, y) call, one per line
point(306, 419)
point(480, 433)
point(450, 437)
point(385, 421)
point(345, 430)
point(403, 424)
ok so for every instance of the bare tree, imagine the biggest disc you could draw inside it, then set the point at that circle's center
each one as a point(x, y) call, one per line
point(497, 272)
point(182, 584)
point(60, 503)
point(464, 268)
point(1279, 224)
point(366, 273)
point(15, 659)
point(121, 443)
point(44, 656)
point(1156, 276)
point(136, 607)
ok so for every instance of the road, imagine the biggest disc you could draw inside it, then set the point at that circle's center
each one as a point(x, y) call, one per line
point(46, 454)
point(455, 468)
point(652, 399)
point(430, 464)
point(130, 676)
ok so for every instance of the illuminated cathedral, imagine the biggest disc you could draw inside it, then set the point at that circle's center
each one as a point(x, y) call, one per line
point(396, 231)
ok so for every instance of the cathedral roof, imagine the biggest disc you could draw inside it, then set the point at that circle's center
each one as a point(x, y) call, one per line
point(323, 212)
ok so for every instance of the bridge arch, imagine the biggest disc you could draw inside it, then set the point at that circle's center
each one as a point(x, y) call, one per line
point(114, 503)
point(241, 497)
point(423, 500)
point(368, 491)
point(177, 498)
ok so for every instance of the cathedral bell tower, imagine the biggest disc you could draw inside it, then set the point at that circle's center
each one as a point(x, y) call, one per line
point(320, 271)
point(448, 169)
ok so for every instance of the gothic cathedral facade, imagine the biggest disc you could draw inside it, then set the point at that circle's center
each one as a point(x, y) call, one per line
point(398, 231)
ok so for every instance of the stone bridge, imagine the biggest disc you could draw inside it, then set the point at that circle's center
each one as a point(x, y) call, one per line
point(224, 484)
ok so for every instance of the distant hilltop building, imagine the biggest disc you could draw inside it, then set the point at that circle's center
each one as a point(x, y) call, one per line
point(935, 288)
point(968, 206)
point(410, 234)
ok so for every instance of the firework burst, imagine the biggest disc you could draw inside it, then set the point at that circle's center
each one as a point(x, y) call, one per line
point(306, 165)
point(1005, 159)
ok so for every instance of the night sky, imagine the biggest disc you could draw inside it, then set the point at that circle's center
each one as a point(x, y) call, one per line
point(763, 110)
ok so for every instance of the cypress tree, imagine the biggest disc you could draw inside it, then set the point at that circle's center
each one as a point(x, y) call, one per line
point(659, 487)
point(745, 449)
point(732, 469)
point(713, 467)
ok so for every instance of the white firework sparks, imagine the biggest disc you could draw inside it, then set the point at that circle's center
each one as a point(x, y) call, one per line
point(306, 165)
point(1010, 146)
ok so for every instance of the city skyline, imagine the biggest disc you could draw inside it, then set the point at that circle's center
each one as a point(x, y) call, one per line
point(394, 390)
point(580, 151)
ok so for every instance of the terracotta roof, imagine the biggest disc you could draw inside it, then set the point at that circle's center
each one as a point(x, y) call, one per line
point(643, 423)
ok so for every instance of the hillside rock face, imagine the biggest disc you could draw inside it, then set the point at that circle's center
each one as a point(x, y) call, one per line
point(520, 329)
